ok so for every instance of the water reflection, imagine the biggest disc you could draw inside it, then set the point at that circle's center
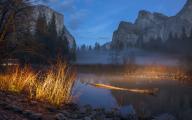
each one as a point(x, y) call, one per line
point(94, 96)
point(173, 97)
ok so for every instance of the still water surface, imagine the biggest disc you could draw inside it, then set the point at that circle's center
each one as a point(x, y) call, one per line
point(173, 96)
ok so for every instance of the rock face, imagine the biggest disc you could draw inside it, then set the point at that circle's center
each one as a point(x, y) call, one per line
point(41, 10)
point(152, 26)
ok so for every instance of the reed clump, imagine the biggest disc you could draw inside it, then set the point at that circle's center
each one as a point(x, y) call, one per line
point(18, 80)
point(54, 87)
point(57, 85)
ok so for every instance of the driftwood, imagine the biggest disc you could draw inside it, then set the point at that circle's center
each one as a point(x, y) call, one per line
point(136, 90)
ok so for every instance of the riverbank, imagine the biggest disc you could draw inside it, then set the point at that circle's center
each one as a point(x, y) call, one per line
point(19, 107)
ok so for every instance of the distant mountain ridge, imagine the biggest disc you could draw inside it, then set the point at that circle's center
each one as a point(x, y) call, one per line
point(152, 26)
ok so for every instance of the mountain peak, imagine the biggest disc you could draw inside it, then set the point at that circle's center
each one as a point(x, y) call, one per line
point(188, 5)
point(189, 2)
point(185, 13)
point(150, 25)
point(144, 14)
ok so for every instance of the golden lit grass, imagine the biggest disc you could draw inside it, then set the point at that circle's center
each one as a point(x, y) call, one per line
point(55, 86)
point(18, 80)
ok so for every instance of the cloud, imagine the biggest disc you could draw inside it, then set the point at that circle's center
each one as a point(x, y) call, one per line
point(49, 1)
point(68, 5)
point(75, 15)
point(77, 18)
point(104, 38)
point(88, 1)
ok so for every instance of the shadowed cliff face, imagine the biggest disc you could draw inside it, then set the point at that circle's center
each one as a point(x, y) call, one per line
point(45, 37)
point(44, 11)
point(154, 25)
point(185, 13)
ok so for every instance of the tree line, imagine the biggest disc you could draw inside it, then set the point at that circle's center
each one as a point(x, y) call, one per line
point(181, 44)
point(17, 40)
point(175, 43)
point(84, 47)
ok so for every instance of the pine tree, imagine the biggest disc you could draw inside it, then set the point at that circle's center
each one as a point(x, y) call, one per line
point(90, 48)
point(83, 47)
point(52, 38)
point(65, 42)
point(41, 28)
point(190, 37)
point(52, 28)
point(170, 38)
point(73, 51)
point(97, 46)
point(140, 42)
point(189, 42)
point(184, 35)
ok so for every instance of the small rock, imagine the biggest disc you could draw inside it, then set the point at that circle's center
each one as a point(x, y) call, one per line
point(165, 117)
point(117, 118)
point(34, 102)
point(27, 113)
point(65, 113)
point(16, 109)
point(87, 118)
point(52, 109)
point(86, 109)
point(32, 115)
point(100, 110)
point(128, 112)
point(3, 104)
point(99, 117)
point(93, 114)
point(109, 114)
point(60, 116)
point(144, 113)
point(74, 116)
point(186, 114)
point(112, 113)
point(8, 107)
point(36, 116)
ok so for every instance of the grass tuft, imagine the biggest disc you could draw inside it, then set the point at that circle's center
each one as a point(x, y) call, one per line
point(54, 87)
point(18, 80)
point(57, 85)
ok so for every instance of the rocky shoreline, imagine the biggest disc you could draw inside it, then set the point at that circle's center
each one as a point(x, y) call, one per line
point(18, 107)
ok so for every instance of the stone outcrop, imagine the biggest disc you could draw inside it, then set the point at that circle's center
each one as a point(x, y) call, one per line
point(41, 10)
point(153, 25)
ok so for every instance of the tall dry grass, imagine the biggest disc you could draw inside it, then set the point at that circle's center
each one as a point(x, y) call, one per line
point(57, 85)
point(54, 87)
point(18, 80)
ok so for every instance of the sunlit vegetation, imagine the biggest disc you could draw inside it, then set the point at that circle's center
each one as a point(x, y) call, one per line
point(18, 80)
point(53, 86)
point(57, 85)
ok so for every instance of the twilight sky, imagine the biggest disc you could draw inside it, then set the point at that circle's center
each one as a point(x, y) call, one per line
point(91, 21)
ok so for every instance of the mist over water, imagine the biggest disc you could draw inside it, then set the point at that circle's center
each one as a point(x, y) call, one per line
point(101, 85)
point(141, 57)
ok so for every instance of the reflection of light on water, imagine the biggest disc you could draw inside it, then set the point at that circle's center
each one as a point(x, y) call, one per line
point(10, 62)
point(142, 91)
point(157, 73)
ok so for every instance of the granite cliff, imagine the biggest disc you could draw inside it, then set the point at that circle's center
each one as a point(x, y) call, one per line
point(152, 26)
point(41, 10)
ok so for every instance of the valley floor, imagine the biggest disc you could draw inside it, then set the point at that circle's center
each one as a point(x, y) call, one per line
point(140, 57)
